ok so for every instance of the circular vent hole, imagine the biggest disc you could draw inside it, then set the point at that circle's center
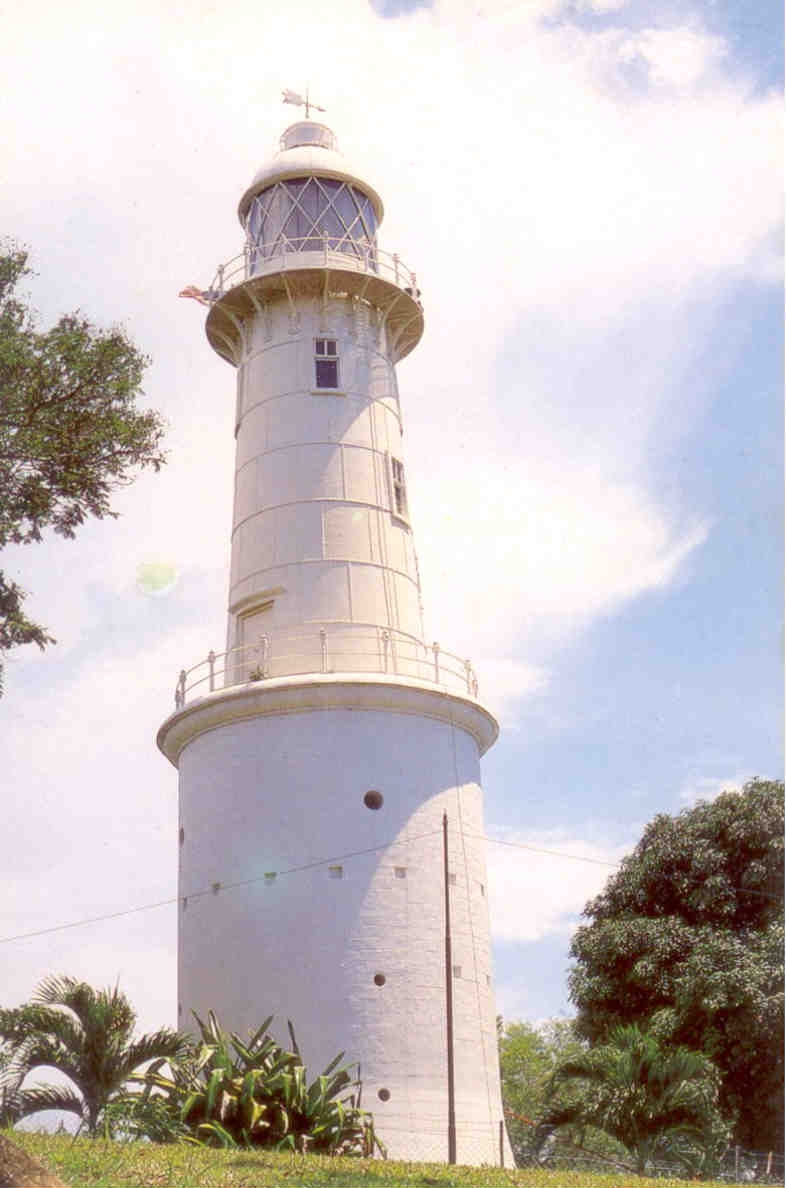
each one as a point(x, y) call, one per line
point(373, 799)
point(384, 1095)
point(379, 979)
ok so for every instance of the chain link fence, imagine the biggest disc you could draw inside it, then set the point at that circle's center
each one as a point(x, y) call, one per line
point(481, 1145)
point(737, 1166)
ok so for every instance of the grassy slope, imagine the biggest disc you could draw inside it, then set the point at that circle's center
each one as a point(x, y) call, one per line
point(83, 1163)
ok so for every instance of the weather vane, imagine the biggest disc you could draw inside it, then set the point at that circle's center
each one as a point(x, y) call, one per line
point(299, 101)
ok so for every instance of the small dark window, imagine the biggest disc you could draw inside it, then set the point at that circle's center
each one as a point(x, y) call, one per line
point(399, 488)
point(452, 880)
point(182, 835)
point(335, 872)
point(379, 979)
point(383, 1094)
point(373, 799)
point(326, 352)
point(400, 872)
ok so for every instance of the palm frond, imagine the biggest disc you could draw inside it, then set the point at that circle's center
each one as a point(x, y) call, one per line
point(56, 989)
point(156, 1045)
point(45, 1097)
point(44, 1051)
point(100, 1012)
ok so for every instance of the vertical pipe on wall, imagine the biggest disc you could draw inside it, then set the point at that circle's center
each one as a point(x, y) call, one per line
point(449, 1000)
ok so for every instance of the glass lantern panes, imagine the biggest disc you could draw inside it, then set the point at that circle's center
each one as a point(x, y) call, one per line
point(310, 214)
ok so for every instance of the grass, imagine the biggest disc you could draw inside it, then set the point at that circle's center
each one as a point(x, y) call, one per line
point(93, 1163)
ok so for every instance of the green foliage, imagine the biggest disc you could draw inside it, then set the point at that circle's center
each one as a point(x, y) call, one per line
point(70, 430)
point(231, 1093)
point(131, 1117)
point(660, 1103)
point(687, 938)
point(85, 1034)
point(529, 1056)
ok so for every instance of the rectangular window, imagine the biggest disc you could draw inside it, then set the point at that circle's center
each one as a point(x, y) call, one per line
point(399, 488)
point(326, 362)
point(335, 872)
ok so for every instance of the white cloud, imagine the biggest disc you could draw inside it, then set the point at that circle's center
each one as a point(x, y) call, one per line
point(503, 682)
point(538, 551)
point(536, 889)
point(601, 6)
point(698, 787)
point(678, 57)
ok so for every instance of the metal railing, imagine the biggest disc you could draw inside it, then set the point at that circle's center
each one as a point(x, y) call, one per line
point(334, 648)
point(313, 251)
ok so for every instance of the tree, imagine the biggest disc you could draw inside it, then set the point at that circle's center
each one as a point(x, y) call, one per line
point(70, 430)
point(657, 1102)
point(85, 1034)
point(528, 1056)
point(688, 938)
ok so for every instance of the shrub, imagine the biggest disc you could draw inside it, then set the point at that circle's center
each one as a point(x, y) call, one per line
point(225, 1092)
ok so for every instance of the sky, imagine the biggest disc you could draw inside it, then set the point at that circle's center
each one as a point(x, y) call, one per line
point(589, 192)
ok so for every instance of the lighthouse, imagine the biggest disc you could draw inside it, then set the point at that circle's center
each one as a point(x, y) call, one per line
point(332, 862)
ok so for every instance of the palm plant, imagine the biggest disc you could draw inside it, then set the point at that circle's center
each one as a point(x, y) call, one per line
point(654, 1100)
point(232, 1093)
point(85, 1034)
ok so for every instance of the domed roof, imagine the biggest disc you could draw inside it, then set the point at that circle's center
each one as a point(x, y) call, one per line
point(307, 149)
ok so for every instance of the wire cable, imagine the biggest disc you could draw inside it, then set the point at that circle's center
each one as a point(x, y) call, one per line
point(211, 890)
point(540, 850)
point(221, 886)
point(598, 861)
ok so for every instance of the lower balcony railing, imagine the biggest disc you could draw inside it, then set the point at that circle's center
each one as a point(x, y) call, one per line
point(332, 648)
point(313, 251)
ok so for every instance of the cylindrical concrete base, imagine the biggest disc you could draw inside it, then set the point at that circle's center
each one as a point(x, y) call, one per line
point(299, 898)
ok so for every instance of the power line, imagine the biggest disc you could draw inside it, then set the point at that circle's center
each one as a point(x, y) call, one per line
point(539, 850)
point(599, 861)
point(221, 886)
point(145, 907)
point(211, 890)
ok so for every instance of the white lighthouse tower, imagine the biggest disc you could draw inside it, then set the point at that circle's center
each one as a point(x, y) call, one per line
point(325, 756)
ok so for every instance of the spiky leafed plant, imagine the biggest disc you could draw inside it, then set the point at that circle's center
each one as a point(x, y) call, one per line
point(254, 1093)
point(652, 1099)
point(86, 1034)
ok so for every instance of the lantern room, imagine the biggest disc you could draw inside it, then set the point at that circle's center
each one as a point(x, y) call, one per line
point(306, 199)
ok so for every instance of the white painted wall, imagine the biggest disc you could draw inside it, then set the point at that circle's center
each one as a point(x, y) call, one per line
point(314, 530)
point(279, 791)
